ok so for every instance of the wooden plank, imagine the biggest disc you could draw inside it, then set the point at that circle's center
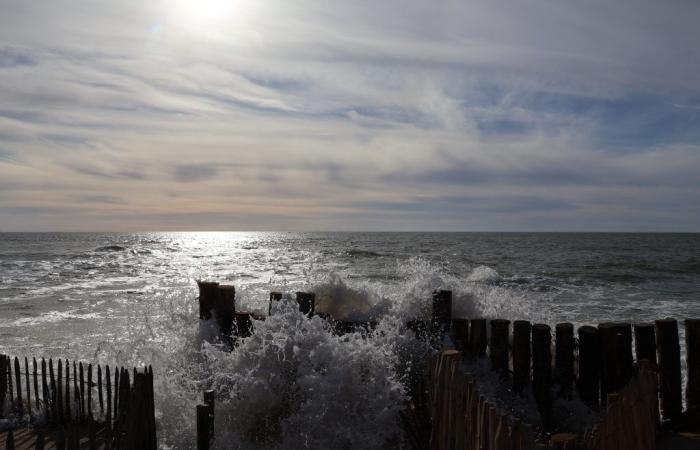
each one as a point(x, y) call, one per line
point(26, 382)
point(18, 384)
point(36, 385)
point(59, 390)
point(44, 388)
point(67, 393)
point(83, 414)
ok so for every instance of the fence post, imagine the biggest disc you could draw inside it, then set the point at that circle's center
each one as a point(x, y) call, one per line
point(225, 308)
point(542, 371)
point(645, 342)
point(459, 331)
point(692, 357)
point(564, 359)
point(498, 351)
point(521, 354)
point(208, 293)
point(477, 338)
point(202, 427)
point(18, 384)
point(442, 311)
point(668, 349)
point(210, 401)
point(3, 384)
point(307, 303)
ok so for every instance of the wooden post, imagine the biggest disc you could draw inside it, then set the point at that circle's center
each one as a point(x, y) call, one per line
point(645, 342)
point(44, 387)
point(307, 302)
point(18, 384)
point(89, 392)
point(202, 427)
point(99, 388)
point(36, 386)
point(442, 311)
point(244, 326)
point(521, 354)
point(459, 332)
point(76, 392)
point(108, 418)
point(225, 308)
point(274, 297)
point(668, 349)
point(498, 350)
point(67, 392)
point(3, 384)
point(588, 365)
point(10, 441)
point(59, 389)
point(208, 293)
point(39, 439)
point(564, 359)
point(29, 393)
point(117, 381)
point(611, 364)
point(625, 352)
point(542, 371)
point(210, 400)
point(477, 338)
point(82, 393)
point(692, 357)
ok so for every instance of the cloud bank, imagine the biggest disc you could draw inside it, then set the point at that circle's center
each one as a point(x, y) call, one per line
point(393, 115)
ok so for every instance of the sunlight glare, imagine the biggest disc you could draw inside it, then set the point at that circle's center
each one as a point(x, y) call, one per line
point(212, 16)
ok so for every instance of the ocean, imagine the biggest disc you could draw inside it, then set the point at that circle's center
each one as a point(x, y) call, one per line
point(130, 298)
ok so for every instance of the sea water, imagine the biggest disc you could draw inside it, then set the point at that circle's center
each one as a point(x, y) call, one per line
point(130, 299)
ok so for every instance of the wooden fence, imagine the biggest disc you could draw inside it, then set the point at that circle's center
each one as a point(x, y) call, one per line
point(118, 404)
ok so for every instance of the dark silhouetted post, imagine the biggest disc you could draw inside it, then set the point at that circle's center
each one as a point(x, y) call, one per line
point(588, 365)
point(225, 309)
point(499, 345)
point(477, 338)
point(692, 357)
point(3, 383)
point(274, 297)
point(542, 371)
point(18, 384)
point(210, 401)
point(625, 352)
point(645, 342)
point(442, 311)
point(669, 352)
point(459, 331)
point(564, 359)
point(208, 293)
point(306, 302)
point(203, 427)
point(521, 354)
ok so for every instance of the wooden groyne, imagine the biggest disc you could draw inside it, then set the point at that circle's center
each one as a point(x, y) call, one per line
point(64, 405)
point(629, 374)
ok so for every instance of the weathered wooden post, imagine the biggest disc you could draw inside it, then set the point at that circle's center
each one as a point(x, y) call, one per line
point(36, 386)
point(442, 311)
point(3, 384)
point(203, 433)
point(692, 357)
point(498, 351)
point(588, 365)
point(645, 342)
point(625, 352)
point(18, 384)
point(542, 371)
point(225, 308)
point(10, 441)
point(307, 302)
point(477, 338)
point(611, 364)
point(669, 352)
point(521, 354)
point(459, 331)
point(29, 393)
point(274, 297)
point(59, 390)
point(210, 401)
point(564, 359)
point(208, 294)
point(244, 325)
point(67, 392)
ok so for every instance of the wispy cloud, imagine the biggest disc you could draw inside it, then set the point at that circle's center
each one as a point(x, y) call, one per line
point(350, 115)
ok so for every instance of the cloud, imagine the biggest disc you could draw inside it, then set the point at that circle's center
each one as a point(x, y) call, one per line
point(355, 115)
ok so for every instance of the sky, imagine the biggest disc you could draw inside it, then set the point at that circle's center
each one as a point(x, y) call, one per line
point(125, 115)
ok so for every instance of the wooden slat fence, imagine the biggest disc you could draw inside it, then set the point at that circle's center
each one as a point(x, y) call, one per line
point(65, 396)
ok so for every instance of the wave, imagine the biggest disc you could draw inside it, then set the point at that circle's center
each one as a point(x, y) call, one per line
point(110, 248)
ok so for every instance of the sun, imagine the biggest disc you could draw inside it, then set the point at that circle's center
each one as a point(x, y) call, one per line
point(209, 17)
